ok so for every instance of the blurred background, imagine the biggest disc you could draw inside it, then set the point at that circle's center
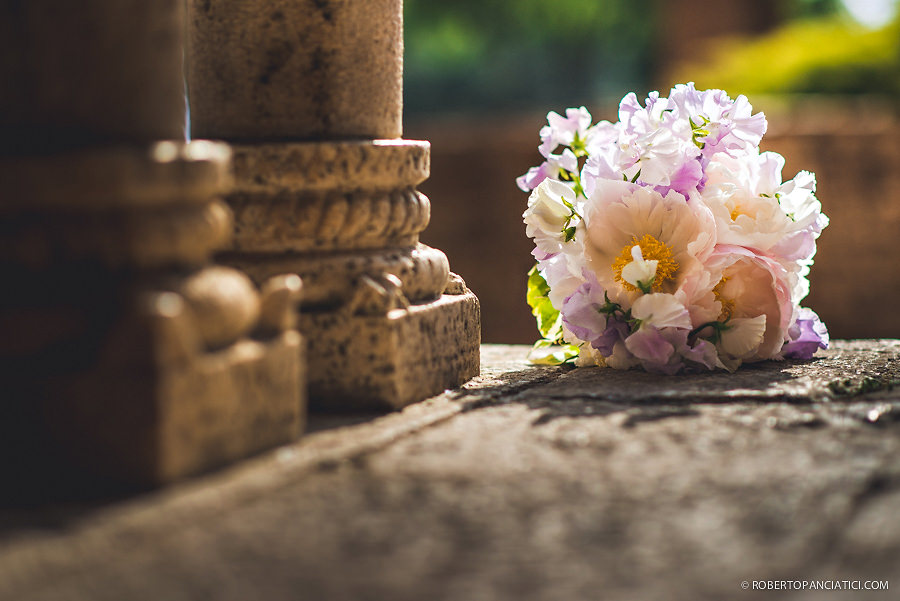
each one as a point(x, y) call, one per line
point(480, 76)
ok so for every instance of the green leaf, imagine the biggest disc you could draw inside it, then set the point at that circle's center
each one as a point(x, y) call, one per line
point(570, 233)
point(551, 349)
point(548, 318)
point(545, 352)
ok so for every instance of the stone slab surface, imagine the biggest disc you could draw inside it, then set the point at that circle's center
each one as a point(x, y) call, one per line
point(527, 483)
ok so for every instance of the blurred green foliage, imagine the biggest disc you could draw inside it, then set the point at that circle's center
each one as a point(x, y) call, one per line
point(824, 56)
point(804, 9)
point(491, 54)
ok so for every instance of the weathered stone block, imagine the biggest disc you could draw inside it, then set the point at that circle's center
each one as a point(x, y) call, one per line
point(122, 355)
point(145, 205)
point(177, 421)
point(332, 166)
point(165, 390)
point(394, 359)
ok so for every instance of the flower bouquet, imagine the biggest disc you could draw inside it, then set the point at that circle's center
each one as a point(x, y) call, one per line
point(668, 241)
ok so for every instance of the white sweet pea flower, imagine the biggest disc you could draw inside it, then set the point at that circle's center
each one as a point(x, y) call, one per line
point(741, 340)
point(661, 311)
point(563, 273)
point(662, 153)
point(600, 136)
point(798, 200)
point(550, 211)
point(640, 273)
point(554, 166)
point(570, 130)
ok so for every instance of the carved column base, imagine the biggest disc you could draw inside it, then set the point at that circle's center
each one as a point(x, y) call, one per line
point(387, 323)
point(368, 345)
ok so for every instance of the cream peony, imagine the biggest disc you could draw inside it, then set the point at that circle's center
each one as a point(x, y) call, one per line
point(677, 237)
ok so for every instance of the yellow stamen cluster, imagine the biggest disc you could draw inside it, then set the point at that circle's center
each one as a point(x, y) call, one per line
point(735, 212)
point(727, 303)
point(652, 250)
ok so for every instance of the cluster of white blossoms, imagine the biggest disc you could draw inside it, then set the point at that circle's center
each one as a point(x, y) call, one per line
point(667, 240)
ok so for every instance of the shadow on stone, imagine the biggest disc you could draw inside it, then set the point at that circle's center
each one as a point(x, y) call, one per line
point(848, 375)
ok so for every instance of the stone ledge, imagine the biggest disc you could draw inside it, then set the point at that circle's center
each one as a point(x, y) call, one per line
point(520, 496)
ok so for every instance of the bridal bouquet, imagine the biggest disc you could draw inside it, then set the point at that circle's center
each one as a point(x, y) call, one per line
point(667, 240)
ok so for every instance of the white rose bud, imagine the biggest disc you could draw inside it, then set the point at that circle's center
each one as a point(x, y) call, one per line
point(547, 214)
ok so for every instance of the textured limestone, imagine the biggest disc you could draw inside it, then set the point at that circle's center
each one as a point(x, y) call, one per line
point(165, 236)
point(336, 166)
point(409, 353)
point(224, 304)
point(515, 494)
point(279, 293)
point(140, 205)
point(326, 196)
point(364, 220)
point(295, 69)
point(345, 217)
point(91, 72)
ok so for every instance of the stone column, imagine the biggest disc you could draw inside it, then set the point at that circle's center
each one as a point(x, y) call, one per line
point(123, 349)
point(309, 94)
